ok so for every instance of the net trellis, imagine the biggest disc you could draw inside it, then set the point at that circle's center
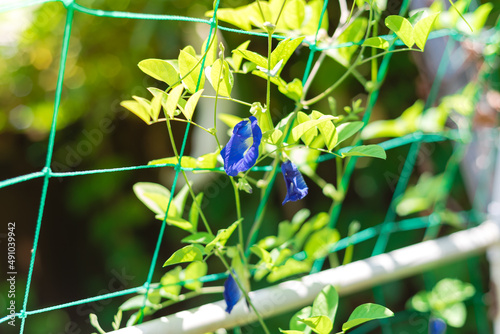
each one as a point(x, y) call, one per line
point(381, 233)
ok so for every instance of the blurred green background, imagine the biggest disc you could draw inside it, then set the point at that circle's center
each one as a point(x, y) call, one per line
point(96, 237)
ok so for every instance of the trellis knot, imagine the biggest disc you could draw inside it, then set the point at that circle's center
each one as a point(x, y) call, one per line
point(68, 3)
point(47, 171)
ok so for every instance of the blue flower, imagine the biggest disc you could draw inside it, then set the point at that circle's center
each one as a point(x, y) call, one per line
point(296, 187)
point(437, 326)
point(232, 293)
point(242, 150)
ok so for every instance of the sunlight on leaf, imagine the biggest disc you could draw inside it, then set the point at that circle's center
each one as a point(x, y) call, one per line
point(402, 27)
point(188, 253)
point(376, 42)
point(365, 313)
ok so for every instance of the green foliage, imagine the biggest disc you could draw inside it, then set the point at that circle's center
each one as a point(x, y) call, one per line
point(310, 132)
point(293, 19)
point(364, 313)
point(320, 317)
point(160, 69)
point(445, 301)
point(188, 253)
point(409, 34)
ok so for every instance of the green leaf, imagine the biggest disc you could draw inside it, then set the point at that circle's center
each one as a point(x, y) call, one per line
point(326, 302)
point(188, 253)
point(480, 16)
point(169, 287)
point(173, 100)
point(402, 27)
point(408, 206)
point(208, 160)
point(450, 290)
point(313, 224)
point(199, 238)
point(155, 197)
point(186, 162)
point(133, 303)
point(191, 105)
point(190, 69)
point(292, 90)
point(237, 58)
point(290, 331)
point(178, 222)
point(155, 107)
point(220, 77)
point(365, 313)
point(138, 109)
point(320, 243)
point(310, 24)
point(421, 196)
point(162, 96)
point(374, 151)
point(295, 323)
point(376, 42)
point(283, 52)
point(305, 131)
point(211, 55)
point(422, 30)
point(416, 17)
point(320, 324)
point(248, 67)
point(273, 136)
point(263, 119)
point(180, 199)
point(194, 212)
point(420, 302)
point(261, 253)
point(293, 14)
point(222, 236)
point(329, 133)
point(255, 58)
point(454, 315)
point(300, 129)
point(406, 123)
point(290, 268)
point(347, 130)
point(194, 271)
point(354, 33)
point(160, 69)
point(235, 16)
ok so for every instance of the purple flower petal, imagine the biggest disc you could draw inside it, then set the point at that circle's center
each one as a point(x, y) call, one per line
point(242, 150)
point(437, 326)
point(295, 185)
point(232, 293)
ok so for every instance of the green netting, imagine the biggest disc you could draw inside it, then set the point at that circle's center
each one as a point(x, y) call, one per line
point(380, 233)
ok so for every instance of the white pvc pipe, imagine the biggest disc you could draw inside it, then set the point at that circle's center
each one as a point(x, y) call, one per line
point(493, 253)
point(355, 276)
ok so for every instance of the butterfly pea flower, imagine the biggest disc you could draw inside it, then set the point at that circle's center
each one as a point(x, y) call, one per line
point(242, 150)
point(437, 326)
point(232, 293)
point(296, 187)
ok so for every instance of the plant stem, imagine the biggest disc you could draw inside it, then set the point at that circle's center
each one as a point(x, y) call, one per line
point(184, 121)
point(227, 98)
point(268, 88)
point(191, 192)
